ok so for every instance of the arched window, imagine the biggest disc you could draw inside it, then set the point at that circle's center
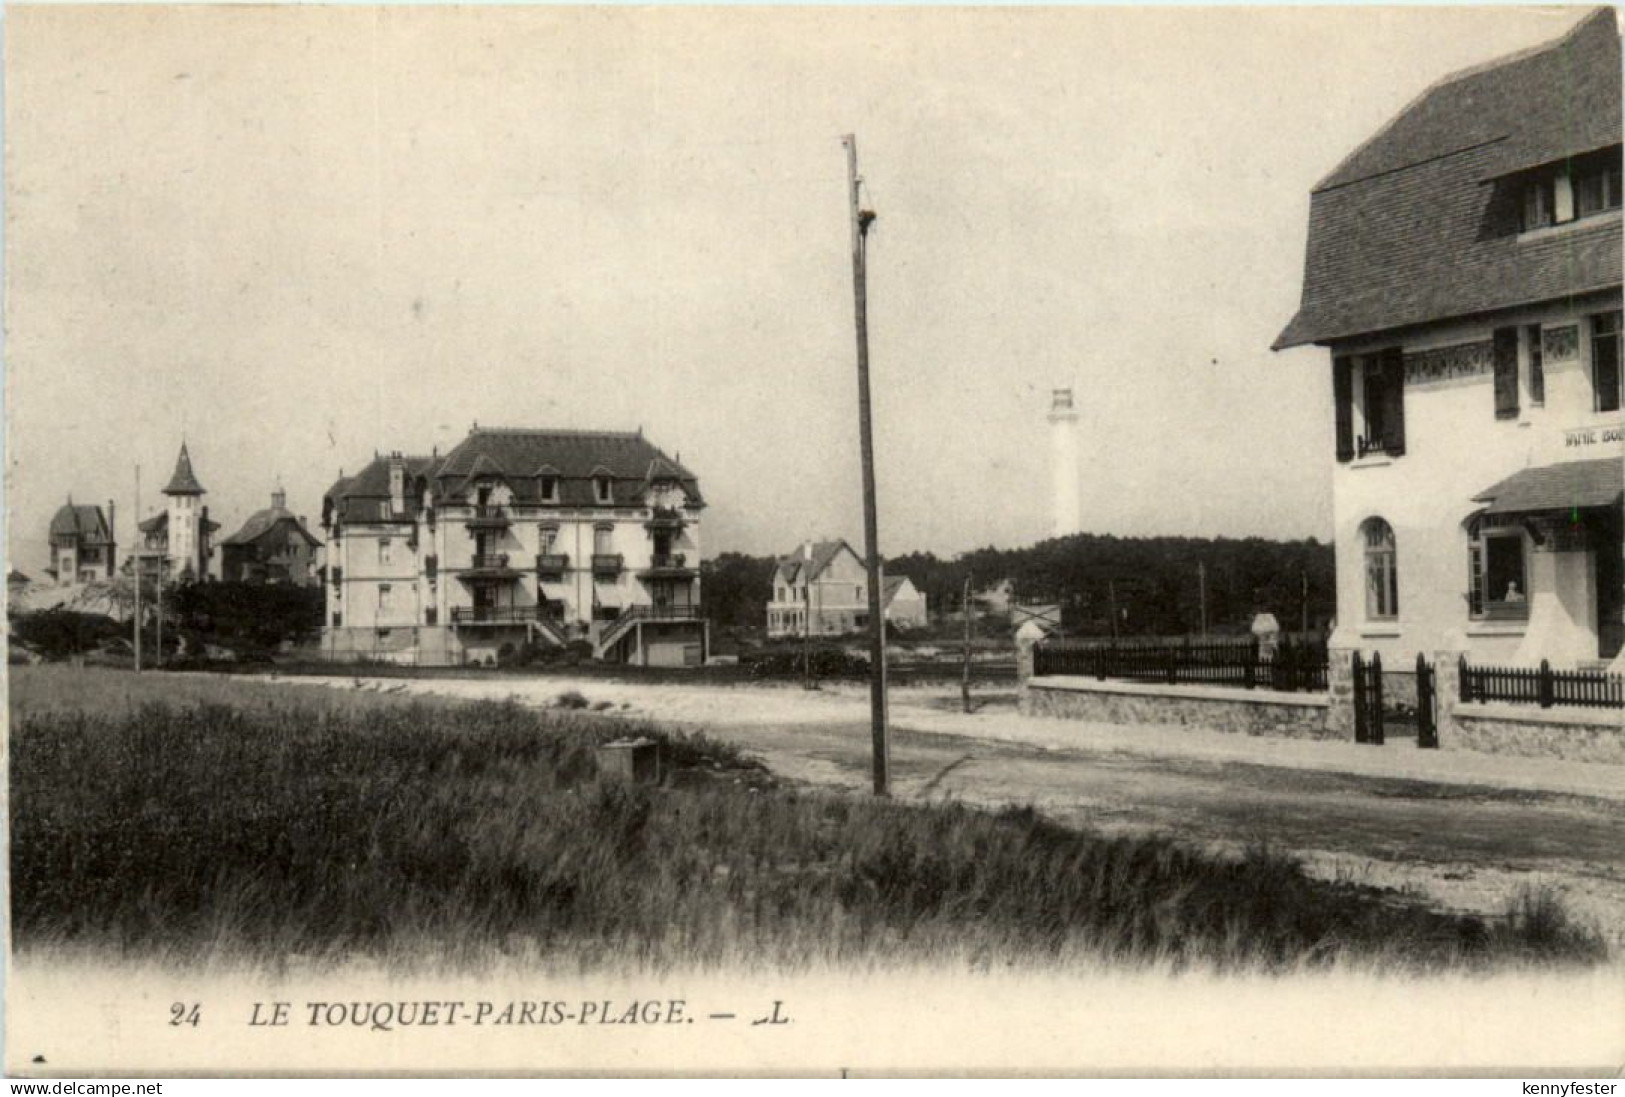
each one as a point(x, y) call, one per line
point(1381, 574)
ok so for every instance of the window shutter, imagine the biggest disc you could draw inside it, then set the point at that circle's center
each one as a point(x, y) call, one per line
point(1343, 398)
point(1475, 575)
point(1506, 373)
point(1393, 369)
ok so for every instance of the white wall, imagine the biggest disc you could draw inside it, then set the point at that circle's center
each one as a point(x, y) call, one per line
point(1455, 448)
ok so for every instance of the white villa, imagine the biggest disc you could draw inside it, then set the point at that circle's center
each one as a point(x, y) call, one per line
point(1464, 272)
point(516, 536)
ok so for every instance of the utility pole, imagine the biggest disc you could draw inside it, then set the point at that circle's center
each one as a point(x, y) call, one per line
point(137, 569)
point(964, 607)
point(158, 655)
point(806, 634)
point(1304, 628)
point(861, 219)
point(1201, 582)
point(1111, 592)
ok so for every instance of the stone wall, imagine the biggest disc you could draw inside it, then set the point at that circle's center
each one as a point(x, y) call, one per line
point(1577, 734)
point(1246, 712)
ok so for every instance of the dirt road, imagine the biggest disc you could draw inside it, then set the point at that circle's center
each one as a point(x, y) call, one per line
point(1465, 830)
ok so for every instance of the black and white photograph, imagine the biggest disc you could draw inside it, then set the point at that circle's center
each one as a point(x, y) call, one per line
point(838, 541)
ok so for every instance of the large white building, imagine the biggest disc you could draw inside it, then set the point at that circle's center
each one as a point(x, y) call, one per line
point(1464, 271)
point(516, 536)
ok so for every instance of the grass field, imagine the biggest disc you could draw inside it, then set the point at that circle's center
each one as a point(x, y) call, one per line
point(231, 821)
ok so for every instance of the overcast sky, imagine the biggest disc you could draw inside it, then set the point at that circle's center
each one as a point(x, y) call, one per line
point(300, 235)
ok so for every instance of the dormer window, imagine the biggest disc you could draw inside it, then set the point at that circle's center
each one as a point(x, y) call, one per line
point(1584, 187)
point(549, 488)
point(602, 488)
point(1596, 189)
point(1539, 202)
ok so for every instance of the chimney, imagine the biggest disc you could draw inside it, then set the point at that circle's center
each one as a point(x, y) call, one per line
point(279, 498)
point(397, 483)
point(806, 550)
point(1063, 419)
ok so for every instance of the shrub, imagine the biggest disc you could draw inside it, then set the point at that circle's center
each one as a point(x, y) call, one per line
point(59, 633)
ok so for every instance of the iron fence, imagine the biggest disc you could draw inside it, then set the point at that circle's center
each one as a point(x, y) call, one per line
point(1543, 686)
point(1291, 667)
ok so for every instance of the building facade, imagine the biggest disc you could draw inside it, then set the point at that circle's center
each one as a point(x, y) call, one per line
point(904, 603)
point(516, 537)
point(820, 589)
point(83, 548)
point(273, 546)
point(178, 543)
point(1464, 273)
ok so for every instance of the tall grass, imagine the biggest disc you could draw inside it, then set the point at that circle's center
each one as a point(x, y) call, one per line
point(282, 829)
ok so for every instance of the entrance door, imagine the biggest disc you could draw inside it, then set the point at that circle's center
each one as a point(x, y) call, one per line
point(485, 601)
point(1604, 535)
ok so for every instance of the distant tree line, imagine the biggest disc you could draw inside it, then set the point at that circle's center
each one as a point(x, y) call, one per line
point(1154, 584)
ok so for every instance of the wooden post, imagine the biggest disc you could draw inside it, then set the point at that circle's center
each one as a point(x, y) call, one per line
point(1546, 690)
point(964, 685)
point(861, 220)
point(137, 569)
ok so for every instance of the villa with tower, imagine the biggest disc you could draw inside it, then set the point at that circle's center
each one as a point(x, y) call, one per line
point(515, 537)
point(176, 543)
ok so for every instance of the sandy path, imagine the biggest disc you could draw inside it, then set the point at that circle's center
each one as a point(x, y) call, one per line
point(1466, 830)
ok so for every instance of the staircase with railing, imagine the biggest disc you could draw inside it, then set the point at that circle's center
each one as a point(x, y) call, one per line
point(616, 631)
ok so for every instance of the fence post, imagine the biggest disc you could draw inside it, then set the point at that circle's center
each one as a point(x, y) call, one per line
point(1546, 684)
point(1375, 696)
point(1359, 698)
point(1251, 673)
point(1466, 686)
point(1427, 728)
point(1173, 664)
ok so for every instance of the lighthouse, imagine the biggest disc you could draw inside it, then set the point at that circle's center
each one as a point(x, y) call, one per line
point(1063, 428)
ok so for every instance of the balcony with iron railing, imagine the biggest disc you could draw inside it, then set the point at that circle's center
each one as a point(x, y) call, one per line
point(552, 563)
point(608, 563)
point(667, 565)
point(494, 615)
point(669, 518)
point(487, 516)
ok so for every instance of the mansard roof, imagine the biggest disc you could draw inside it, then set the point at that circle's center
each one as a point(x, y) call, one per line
point(1420, 223)
point(81, 520)
point(519, 458)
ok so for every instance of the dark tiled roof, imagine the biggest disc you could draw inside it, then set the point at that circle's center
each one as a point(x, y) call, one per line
point(183, 482)
point(1598, 483)
point(1420, 223)
point(82, 520)
point(356, 497)
point(160, 523)
point(520, 458)
point(631, 460)
point(263, 522)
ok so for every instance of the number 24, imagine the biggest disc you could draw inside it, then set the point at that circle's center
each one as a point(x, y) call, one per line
point(182, 1014)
